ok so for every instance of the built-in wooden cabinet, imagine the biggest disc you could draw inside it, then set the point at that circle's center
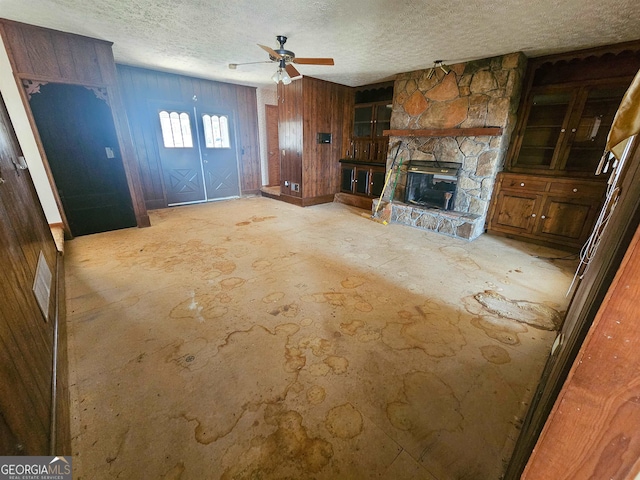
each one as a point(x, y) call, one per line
point(369, 121)
point(371, 117)
point(362, 179)
point(557, 211)
point(550, 192)
point(564, 128)
point(362, 169)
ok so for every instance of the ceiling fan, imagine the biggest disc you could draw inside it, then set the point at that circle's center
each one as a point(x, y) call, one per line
point(286, 71)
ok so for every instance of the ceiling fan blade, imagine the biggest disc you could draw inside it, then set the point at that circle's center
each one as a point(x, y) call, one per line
point(271, 51)
point(233, 66)
point(291, 70)
point(313, 61)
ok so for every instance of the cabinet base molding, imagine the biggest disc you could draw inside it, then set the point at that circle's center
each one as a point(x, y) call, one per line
point(544, 243)
point(353, 200)
point(301, 202)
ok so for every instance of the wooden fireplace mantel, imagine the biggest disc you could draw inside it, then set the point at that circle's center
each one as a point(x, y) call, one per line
point(445, 132)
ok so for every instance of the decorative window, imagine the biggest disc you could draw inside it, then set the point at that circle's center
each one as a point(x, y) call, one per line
point(216, 131)
point(176, 129)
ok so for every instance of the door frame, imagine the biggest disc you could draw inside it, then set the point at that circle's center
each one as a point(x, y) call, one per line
point(125, 144)
point(272, 110)
point(87, 157)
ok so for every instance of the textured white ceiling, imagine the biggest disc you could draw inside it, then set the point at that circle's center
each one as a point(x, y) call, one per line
point(370, 40)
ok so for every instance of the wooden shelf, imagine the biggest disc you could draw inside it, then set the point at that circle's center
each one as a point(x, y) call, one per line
point(445, 132)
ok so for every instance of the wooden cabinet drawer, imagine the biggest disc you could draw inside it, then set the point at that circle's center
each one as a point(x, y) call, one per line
point(523, 183)
point(577, 189)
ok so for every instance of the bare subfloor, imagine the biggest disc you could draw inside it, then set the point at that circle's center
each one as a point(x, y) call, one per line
point(256, 339)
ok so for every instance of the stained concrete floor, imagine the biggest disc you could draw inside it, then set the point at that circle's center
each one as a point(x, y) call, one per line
point(256, 339)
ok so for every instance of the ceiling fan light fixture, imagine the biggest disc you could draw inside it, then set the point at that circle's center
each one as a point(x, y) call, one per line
point(286, 79)
point(281, 75)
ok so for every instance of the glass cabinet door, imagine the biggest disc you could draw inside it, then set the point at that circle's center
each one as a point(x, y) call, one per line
point(590, 130)
point(362, 180)
point(346, 178)
point(383, 119)
point(363, 122)
point(545, 126)
point(377, 182)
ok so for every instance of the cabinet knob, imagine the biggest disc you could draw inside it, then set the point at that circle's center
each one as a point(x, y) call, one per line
point(573, 130)
point(575, 190)
point(543, 216)
point(533, 214)
point(522, 184)
point(562, 130)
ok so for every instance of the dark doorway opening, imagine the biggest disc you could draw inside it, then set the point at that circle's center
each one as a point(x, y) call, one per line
point(78, 134)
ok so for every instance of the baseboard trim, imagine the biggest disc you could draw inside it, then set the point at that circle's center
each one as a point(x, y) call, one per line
point(354, 200)
point(60, 438)
point(308, 202)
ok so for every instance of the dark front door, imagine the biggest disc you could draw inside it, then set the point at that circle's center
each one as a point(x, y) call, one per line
point(79, 138)
point(219, 156)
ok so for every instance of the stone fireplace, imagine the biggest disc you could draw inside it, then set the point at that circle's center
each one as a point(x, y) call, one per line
point(463, 118)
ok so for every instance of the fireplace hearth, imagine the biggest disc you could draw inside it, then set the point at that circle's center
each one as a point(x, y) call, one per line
point(432, 184)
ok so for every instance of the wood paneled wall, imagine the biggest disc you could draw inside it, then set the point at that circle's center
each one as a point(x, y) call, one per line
point(27, 340)
point(46, 55)
point(290, 127)
point(53, 56)
point(307, 107)
point(329, 108)
point(140, 87)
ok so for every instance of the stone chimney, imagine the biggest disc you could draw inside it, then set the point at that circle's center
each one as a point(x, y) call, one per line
point(481, 93)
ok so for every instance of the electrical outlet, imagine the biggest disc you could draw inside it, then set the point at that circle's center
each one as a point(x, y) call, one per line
point(295, 187)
